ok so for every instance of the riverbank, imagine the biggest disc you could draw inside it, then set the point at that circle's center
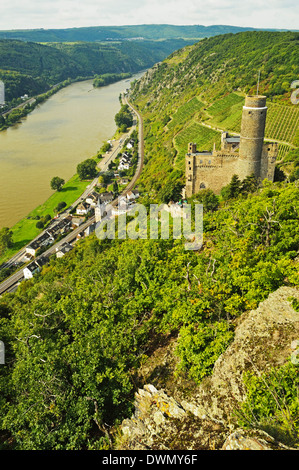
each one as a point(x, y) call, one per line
point(14, 115)
point(25, 230)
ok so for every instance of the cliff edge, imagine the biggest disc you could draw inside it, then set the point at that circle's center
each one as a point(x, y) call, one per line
point(206, 421)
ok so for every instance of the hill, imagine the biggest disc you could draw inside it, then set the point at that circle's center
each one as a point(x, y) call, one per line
point(200, 90)
point(112, 33)
point(29, 68)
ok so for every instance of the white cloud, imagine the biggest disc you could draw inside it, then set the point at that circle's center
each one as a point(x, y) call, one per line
point(27, 14)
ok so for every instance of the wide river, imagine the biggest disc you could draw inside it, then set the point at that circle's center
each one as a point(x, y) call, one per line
point(69, 127)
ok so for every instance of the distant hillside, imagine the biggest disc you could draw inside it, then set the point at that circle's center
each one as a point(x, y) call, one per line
point(198, 91)
point(106, 33)
point(28, 67)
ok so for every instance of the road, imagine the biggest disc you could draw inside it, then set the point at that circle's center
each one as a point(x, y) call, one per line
point(11, 283)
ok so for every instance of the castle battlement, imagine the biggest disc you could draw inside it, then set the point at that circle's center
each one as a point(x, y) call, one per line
point(243, 155)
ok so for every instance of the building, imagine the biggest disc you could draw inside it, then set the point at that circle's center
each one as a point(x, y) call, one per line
point(125, 162)
point(132, 195)
point(43, 240)
point(34, 267)
point(83, 208)
point(2, 93)
point(63, 249)
point(243, 155)
point(92, 199)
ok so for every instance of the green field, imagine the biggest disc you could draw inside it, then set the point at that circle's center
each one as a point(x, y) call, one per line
point(25, 230)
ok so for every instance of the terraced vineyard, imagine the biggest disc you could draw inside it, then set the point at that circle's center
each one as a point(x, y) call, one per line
point(185, 113)
point(283, 123)
point(201, 135)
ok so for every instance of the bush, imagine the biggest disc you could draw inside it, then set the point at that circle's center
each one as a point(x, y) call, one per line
point(272, 403)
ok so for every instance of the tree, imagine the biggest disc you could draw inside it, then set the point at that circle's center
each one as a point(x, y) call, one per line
point(40, 224)
point(115, 187)
point(60, 206)
point(87, 169)
point(57, 183)
point(124, 117)
point(208, 199)
point(5, 239)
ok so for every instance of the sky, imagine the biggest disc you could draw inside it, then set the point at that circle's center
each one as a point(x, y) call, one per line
point(31, 14)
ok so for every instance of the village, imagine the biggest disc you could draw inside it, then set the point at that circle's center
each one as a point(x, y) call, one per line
point(90, 210)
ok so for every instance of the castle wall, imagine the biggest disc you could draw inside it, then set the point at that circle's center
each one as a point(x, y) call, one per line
point(212, 171)
point(269, 156)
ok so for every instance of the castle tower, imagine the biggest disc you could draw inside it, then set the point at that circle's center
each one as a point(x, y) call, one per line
point(252, 136)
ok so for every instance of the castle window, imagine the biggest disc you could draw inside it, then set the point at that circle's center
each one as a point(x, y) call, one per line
point(209, 162)
point(202, 186)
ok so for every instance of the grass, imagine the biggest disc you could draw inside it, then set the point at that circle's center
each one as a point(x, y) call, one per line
point(25, 230)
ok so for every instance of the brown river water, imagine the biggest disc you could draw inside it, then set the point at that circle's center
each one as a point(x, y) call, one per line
point(69, 127)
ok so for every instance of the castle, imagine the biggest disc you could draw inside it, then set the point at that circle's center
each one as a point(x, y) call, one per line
point(243, 156)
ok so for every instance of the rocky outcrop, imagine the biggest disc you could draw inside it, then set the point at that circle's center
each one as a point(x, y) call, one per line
point(264, 338)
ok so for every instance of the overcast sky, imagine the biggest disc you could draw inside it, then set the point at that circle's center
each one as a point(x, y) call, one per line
point(29, 14)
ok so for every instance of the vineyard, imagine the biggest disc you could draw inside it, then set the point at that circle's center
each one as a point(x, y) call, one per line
point(283, 123)
point(185, 113)
point(201, 135)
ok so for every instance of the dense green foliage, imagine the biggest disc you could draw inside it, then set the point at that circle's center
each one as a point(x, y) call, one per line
point(31, 68)
point(76, 334)
point(87, 169)
point(107, 78)
point(6, 239)
point(57, 183)
point(124, 118)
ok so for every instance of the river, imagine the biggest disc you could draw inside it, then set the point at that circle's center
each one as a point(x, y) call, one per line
point(66, 129)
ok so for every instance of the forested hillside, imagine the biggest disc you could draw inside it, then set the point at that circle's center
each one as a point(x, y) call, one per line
point(29, 68)
point(200, 90)
point(108, 33)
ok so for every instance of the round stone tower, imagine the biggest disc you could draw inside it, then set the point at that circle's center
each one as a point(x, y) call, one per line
point(252, 136)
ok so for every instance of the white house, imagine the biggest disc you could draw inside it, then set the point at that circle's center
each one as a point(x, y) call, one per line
point(76, 221)
point(92, 199)
point(132, 195)
point(83, 208)
point(124, 163)
point(34, 268)
point(44, 240)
